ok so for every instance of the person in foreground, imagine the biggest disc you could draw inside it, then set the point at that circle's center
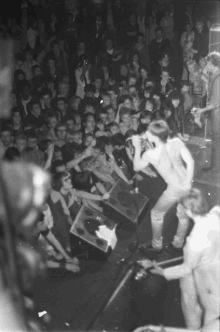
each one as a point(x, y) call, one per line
point(174, 163)
point(200, 272)
point(213, 106)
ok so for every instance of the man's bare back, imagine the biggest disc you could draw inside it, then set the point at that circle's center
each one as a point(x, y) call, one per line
point(168, 162)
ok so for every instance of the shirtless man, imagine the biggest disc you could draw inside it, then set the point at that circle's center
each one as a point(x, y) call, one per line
point(174, 163)
point(200, 272)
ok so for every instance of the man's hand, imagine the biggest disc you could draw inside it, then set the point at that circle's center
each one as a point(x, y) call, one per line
point(157, 270)
point(88, 152)
point(50, 150)
point(72, 260)
point(197, 111)
point(136, 141)
point(146, 263)
point(106, 196)
point(130, 182)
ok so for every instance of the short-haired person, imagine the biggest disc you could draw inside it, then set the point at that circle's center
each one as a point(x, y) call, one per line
point(174, 163)
point(213, 106)
point(200, 272)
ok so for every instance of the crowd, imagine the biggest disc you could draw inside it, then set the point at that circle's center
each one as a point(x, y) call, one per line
point(79, 93)
point(83, 85)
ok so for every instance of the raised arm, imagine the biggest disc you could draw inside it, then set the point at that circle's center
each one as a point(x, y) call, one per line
point(139, 162)
point(190, 164)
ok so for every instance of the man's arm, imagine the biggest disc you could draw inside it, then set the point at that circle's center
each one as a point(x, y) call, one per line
point(139, 162)
point(190, 164)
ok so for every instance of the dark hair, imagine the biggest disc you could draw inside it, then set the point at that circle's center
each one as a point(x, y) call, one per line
point(145, 114)
point(82, 181)
point(55, 164)
point(57, 182)
point(85, 117)
point(89, 88)
point(61, 99)
point(158, 115)
point(160, 129)
point(12, 154)
point(45, 92)
point(157, 29)
point(144, 102)
point(6, 128)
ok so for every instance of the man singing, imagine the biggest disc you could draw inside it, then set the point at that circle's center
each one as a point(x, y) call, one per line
point(213, 105)
point(174, 163)
point(200, 272)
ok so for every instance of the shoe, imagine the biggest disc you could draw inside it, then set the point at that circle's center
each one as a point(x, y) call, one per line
point(175, 249)
point(150, 248)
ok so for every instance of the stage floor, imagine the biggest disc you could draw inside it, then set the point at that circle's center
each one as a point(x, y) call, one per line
point(74, 300)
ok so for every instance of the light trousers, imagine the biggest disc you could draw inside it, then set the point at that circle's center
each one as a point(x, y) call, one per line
point(168, 199)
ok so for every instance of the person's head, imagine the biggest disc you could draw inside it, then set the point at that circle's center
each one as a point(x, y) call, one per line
point(148, 91)
point(25, 89)
point(6, 136)
point(35, 108)
point(165, 75)
point(89, 90)
point(98, 83)
point(109, 44)
point(108, 146)
point(158, 132)
point(164, 60)
point(32, 140)
point(159, 33)
point(58, 166)
point(132, 90)
point(106, 99)
point(62, 180)
point(40, 56)
point(89, 122)
point(16, 116)
point(20, 142)
point(46, 96)
point(36, 70)
point(143, 72)
point(213, 62)
point(113, 92)
point(191, 65)
point(70, 122)
point(62, 104)
point(61, 131)
point(125, 116)
point(63, 89)
point(175, 97)
point(132, 79)
point(158, 115)
point(74, 103)
point(145, 117)
point(149, 105)
point(140, 39)
point(127, 101)
point(184, 86)
point(132, 19)
point(78, 119)
point(52, 120)
point(12, 154)
point(111, 114)
point(55, 46)
point(114, 128)
point(75, 136)
point(158, 98)
point(188, 27)
point(102, 116)
point(195, 204)
point(202, 62)
point(199, 24)
point(149, 82)
point(87, 139)
point(19, 75)
point(123, 70)
point(135, 58)
point(81, 46)
point(167, 109)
